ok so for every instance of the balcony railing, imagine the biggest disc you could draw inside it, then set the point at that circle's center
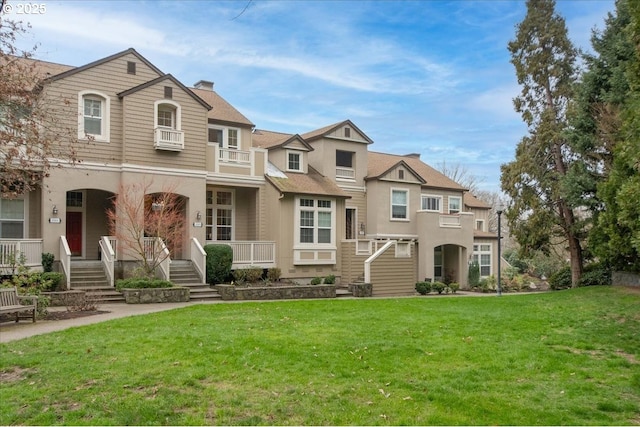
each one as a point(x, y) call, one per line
point(345, 173)
point(14, 252)
point(450, 221)
point(168, 139)
point(250, 253)
point(231, 155)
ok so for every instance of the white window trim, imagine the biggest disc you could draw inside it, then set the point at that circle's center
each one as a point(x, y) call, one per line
point(300, 154)
point(316, 209)
point(480, 221)
point(106, 115)
point(433, 196)
point(391, 218)
point(477, 253)
point(225, 136)
point(214, 206)
point(459, 199)
point(25, 216)
point(177, 125)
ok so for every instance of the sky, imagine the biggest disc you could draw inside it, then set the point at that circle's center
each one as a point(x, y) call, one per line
point(431, 77)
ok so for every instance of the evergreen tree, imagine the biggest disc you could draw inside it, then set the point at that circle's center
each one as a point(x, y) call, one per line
point(539, 214)
point(615, 238)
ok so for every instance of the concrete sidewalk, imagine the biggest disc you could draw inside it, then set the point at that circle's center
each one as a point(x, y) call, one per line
point(11, 331)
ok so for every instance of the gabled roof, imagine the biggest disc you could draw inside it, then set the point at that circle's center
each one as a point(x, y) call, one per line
point(319, 133)
point(221, 110)
point(395, 165)
point(299, 183)
point(473, 202)
point(103, 61)
point(380, 163)
point(160, 80)
point(270, 140)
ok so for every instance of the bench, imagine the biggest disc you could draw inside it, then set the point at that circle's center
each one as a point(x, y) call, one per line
point(11, 302)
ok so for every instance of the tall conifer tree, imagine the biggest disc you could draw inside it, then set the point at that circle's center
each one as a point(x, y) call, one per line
point(539, 214)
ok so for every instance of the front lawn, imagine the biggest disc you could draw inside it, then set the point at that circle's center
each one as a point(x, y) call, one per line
point(568, 357)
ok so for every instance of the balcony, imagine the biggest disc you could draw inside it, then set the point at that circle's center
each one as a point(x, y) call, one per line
point(230, 155)
point(14, 252)
point(228, 162)
point(168, 139)
point(251, 254)
point(345, 174)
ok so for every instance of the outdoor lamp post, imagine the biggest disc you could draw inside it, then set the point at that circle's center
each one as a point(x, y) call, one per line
point(499, 212)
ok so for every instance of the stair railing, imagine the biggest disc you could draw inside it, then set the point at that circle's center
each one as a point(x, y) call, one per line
point(108, 258)
point(65, 260)
point(165, 263)
point(199, 259)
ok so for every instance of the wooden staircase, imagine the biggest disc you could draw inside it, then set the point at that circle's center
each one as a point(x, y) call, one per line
point(89, 276)
point(182, 273)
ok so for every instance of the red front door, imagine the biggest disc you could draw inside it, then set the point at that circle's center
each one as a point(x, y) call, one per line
point(74, 232)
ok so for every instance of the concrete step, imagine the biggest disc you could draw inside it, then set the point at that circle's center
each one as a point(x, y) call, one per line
point(200, 292)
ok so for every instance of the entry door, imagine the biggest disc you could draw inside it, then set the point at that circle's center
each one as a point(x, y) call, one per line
point(74, 232)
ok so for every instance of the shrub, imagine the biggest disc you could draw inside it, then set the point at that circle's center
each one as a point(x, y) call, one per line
point(474, 274)
point(454, 287)
point(423, 288)
point(316, 280)
point(594, 275)
point(55, 279)
point(141, 283)
point(47, 262)
point(247, 275)
point(219, 261)
point(329, 280)
point(439, 287)
point(561, 279)
point(273, 274)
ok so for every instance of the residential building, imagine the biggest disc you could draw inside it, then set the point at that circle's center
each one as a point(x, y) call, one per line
point(313, 204)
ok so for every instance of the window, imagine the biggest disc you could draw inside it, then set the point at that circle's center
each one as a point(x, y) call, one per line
point(74, 199)
point(399, 204)
point(12, 218)
point(480, 224)
point(168, 114)
point(224, 137)
point(316, 221)
point(437, 263)
point(294, 161)
point(344, 159)
point(455, 203)
point(93, 116)
point(482, 255)
point(431, 203)
point(219, 215)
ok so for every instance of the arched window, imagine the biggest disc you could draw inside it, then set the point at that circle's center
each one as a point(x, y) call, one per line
point(168, 115)
point(93, 115)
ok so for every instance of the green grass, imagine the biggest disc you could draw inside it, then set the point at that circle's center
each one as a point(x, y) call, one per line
point(569, 357)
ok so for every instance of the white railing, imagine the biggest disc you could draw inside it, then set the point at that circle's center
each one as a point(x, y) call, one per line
point(14, 251)
point(372, 258)
point(450, 221)
point(65, 260)
point(368, 247)
point(259, 254)
point(108, 258)
point(114, 245)
point(168, 139)
point(231, 155)
point(199, 259)
point(155, 249)
point(345, 173)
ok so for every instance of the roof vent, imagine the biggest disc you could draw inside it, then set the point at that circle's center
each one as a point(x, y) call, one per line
point(204, 84)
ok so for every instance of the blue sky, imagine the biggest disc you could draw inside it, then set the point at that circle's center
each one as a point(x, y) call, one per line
point(429, 77)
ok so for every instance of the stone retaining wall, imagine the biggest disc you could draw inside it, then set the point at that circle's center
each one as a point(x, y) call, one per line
point(64, 298)
point(236, 293)
point(623, 278)
point(153, 295)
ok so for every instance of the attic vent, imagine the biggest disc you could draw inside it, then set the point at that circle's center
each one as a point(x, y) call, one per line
point(400, 174)
point(347, 132)
point(204, 84)
point(131, 67)
point(168, 92)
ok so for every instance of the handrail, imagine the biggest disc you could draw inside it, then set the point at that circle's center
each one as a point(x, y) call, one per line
point(65, 260)
point(108, 258)
point(199, 259)
point(165, 263)
point(367, 263)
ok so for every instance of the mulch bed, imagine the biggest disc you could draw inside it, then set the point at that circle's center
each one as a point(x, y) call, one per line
point(63, 315)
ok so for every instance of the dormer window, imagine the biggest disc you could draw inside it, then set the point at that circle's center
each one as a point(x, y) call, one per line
point(294, 161)
point(93, 116)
